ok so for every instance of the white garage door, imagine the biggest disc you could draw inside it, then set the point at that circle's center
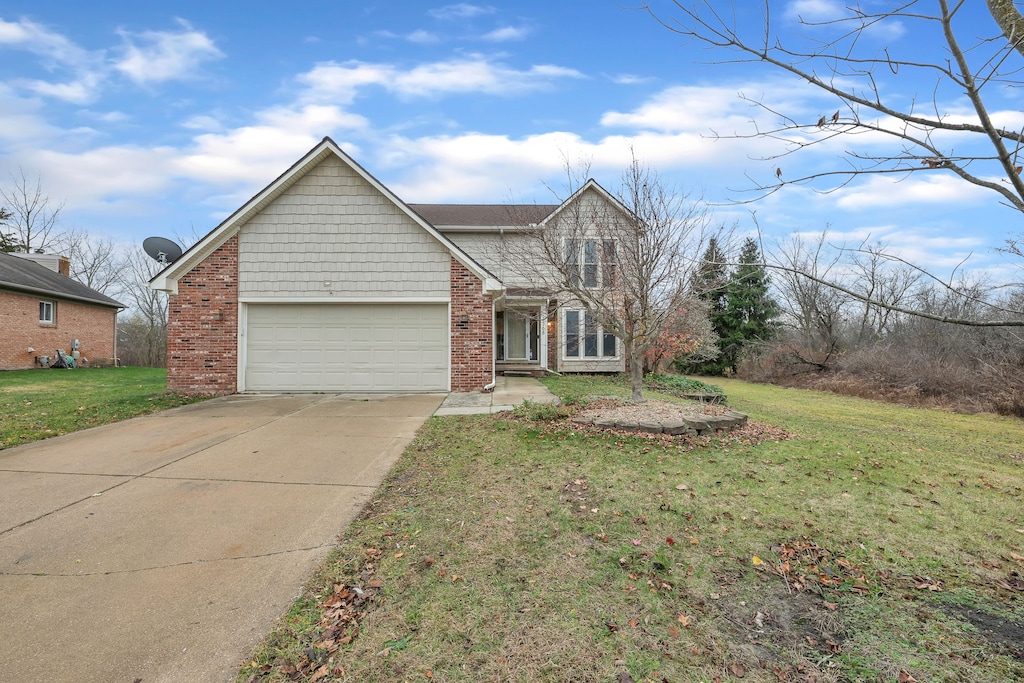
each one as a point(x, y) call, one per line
point(347, 347)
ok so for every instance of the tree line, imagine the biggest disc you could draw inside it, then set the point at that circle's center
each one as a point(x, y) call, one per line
point(31, 222)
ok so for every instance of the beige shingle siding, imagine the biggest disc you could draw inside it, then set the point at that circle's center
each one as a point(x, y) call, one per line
point(332, 226)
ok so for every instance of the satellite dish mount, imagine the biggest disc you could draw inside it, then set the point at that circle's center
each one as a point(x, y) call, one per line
point(162, 250)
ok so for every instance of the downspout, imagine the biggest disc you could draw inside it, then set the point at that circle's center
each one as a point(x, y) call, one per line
point(494, 366)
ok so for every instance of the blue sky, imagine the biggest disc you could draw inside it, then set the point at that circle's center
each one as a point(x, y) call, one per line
point(162, 118)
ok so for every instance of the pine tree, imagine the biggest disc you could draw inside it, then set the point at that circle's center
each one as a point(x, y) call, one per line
point(8, 241)
point(750, 311)
point(710, 283)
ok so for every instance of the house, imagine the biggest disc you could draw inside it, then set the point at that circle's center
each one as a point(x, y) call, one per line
point(327, 281)
point(42, 310)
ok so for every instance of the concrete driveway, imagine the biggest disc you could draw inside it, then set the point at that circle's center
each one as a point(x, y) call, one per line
point(163, 548)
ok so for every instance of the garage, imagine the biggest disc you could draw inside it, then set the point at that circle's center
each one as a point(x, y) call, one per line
point(346, 347)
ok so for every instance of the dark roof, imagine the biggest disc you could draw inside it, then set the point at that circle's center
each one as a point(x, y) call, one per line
point(27, 276)
point(490, 215)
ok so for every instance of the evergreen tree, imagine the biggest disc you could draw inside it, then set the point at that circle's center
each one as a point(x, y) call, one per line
point(750, 311)
point(710, 283)
point(8, 241)
point(740, 308)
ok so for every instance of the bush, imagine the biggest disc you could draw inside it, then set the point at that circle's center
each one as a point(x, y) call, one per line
point(679, 385)
point(540, 412)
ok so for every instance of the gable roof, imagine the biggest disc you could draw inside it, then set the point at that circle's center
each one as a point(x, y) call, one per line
point(167, 279)
point(483, 215)
point(28, 277)
point(594, 186)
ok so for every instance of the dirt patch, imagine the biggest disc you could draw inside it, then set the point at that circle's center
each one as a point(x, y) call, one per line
point(995, 629)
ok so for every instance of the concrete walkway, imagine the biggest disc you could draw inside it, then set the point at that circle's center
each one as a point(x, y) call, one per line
point(162, 549)
point(508, 392)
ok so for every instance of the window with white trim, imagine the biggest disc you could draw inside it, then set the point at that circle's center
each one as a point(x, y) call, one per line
point(590, 262)
point(585, 339)
point(46, 312)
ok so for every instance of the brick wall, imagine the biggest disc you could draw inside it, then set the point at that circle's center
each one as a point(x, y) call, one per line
point(20, 329)
point(472, 331)
point(552, 332)
point(202, 326)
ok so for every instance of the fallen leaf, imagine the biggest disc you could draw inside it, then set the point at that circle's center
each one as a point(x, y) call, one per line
point(905, 677)
point(673, 631)
point(398, 555)
point(831, 606)
point(757, 561)
point(684, 620)
point(737, 670)
point(682, 487)
point(670, 540)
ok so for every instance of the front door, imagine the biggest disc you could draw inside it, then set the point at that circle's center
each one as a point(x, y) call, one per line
point(521, 336)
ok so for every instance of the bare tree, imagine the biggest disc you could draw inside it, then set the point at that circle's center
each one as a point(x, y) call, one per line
point(34, 220)
point(836, 57)
point(626, 259)
point(814, 311)
point(142, 333)
point(96, 261)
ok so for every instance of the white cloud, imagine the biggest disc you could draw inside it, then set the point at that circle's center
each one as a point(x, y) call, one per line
point(460, 10)
point(506, 33)
point(156, 56)
point(923, 187)
point(28, 35)
point(825, 12)
point(422, 37)
point(56, 52)
point(257, 153)
point(98, 175)
point(339, 83)
point(815, 11)
point(630, 79)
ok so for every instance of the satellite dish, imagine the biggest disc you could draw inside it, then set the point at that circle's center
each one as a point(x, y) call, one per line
point(163, 250)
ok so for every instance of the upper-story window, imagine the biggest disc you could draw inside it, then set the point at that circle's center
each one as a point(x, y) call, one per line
point(591, 263)
point(46, 312)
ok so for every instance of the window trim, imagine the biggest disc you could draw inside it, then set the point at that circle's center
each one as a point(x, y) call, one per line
point(47, 305)
point(591, 262)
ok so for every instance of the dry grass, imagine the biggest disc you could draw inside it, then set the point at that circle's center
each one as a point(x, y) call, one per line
point(509, 549)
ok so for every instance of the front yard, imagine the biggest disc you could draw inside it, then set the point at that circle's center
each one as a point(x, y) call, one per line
point(37, 404)
point(878, 543)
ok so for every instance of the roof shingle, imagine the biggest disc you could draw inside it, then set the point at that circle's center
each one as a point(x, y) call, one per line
point(28, 276)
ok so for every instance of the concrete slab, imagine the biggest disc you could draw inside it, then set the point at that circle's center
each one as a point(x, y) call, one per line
point(408, 405)
point(508, 393)
point(179, 567)
point(133, 447)
point(30, 495)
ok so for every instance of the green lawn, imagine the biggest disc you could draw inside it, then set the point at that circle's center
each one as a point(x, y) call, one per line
point(37, 404)
point(879, 543)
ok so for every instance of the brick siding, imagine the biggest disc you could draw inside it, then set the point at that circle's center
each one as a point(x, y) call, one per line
point(472, 331)
point(202, 327)
point(20, 329)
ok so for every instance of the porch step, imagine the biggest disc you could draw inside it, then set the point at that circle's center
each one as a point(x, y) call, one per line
point(517, 373)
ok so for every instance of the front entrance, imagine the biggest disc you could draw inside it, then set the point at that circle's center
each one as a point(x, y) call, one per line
point(521, 342)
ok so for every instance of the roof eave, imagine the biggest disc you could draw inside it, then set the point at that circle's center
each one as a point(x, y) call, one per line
point(39, 291)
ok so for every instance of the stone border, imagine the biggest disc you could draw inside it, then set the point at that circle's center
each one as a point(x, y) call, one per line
point(705, 425)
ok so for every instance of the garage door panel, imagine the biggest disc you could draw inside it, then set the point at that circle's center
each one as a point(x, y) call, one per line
point(347, 347)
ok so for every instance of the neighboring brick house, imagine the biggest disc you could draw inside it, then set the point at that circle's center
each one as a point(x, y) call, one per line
point(327, 281)
point(43, 310)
